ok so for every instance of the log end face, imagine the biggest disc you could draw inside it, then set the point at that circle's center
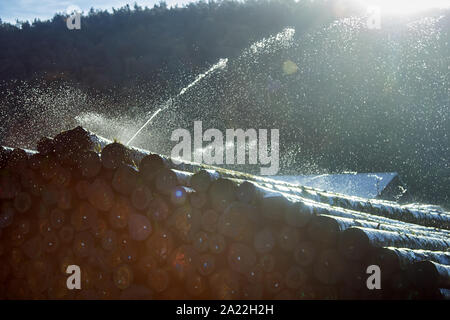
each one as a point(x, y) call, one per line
point(354, 243)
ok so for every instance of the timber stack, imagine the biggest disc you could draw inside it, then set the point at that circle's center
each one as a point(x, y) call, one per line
point(142, 227)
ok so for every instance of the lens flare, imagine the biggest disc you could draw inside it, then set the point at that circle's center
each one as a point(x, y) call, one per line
point(405, 6)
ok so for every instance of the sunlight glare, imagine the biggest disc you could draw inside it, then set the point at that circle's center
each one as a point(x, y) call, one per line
point(406, 6)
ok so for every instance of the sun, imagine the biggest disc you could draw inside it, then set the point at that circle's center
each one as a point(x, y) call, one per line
point(405, 6)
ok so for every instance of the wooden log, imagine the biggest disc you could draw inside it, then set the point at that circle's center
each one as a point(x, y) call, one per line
point(158, 280)
point(225, 285)
point(83, 244)
point(406, 213)
point(68, 144)
point(145, 264)
point(324, 230)
point(150, 165)
point(273, 283)
point(295, 277)
point(182, 262)
point(385, 223)
point(125, 179)
point(115, 154)
point(305, 253)
point(22, 202)
point(247, 192)
point(165, 181)
point(200, 241)
point(139, 227)
point(355, 276)
point(179, 195)
point(437, 218)
point(99, 194)
point(308, 209)
point(84, 217)
point(273, 207)
point(158, 209)
point(391, 259)
point(341, 224)
point(160, 245)
point(444, 294)
point(206, 264)
point(201, 180)
point(35, 161)
point(141, 196)
point(196, 285)
point(264, 240)
point(17, 160)
point(49, 168)
point(356, 242)
point(57, 218)
point(99, 228)
point(400, 284)
point(298, 214)
point(89, 164)
point(82, 189)
point(120, 212)
point(66, 234)
point(329, 267)
point(31, 182)
point(288, 238)
point(50, 242)
point(209, 220)
point(267, 262)
point(221, 194)
point(123, 276)
point(63, 177)
point(185, 223)
point(127, 250)
point(255, 275)
point(236, 222)
point(217, 244)
point(429, 275)
point(241, 258)
point(198, 200)
point(109, 241)
point(45, 146)
point(65, 200)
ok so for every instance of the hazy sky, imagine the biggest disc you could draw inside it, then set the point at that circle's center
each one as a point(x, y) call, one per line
point(10, 10)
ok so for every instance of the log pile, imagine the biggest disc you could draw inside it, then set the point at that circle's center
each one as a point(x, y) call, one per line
point(141, 227)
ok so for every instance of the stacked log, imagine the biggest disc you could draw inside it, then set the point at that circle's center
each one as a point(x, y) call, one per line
point(141, 227)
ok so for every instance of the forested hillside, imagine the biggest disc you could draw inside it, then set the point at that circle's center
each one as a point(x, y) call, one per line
point(136, 42)
point(345, 98)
